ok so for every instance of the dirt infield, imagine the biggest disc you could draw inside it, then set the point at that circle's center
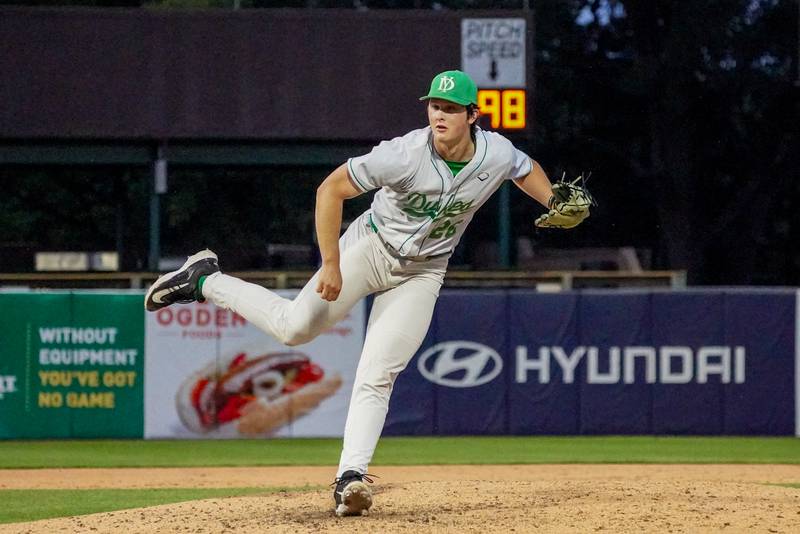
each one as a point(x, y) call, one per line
point(525, 498)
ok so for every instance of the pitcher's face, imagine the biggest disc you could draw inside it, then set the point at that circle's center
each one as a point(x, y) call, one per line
point(449, 121)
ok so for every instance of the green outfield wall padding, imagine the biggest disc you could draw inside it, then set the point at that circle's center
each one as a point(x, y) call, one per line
point(71, 365)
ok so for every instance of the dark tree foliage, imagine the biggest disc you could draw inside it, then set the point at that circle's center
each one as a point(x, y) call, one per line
point(687, 112)
point(72, 209)
point(240, 211)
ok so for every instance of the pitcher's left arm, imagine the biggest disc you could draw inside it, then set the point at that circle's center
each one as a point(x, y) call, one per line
point(536, 184)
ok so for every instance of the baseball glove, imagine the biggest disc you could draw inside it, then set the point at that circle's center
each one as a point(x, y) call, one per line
point(568, 206)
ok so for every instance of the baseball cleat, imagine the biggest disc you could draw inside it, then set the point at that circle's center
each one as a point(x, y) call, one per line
point(181, 286)
point(352, 496)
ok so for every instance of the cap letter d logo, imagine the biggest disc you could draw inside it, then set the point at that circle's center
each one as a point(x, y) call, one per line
point(446, 83)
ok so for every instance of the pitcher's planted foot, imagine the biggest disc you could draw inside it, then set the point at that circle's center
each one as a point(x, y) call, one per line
point(352, 496)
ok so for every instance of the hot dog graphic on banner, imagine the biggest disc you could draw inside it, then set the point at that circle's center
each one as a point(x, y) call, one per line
point(211, 374)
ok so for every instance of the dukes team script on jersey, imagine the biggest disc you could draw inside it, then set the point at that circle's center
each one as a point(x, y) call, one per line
point(421, 209)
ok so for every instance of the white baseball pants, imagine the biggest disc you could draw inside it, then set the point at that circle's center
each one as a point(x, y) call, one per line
point(399, 320)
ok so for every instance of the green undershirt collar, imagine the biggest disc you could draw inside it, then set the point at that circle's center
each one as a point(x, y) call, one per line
point(456, 166)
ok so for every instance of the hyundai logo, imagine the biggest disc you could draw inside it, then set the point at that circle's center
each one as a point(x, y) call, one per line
point(460, 364)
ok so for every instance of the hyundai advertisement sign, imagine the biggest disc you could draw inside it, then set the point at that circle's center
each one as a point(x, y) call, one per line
point(599, 362)
point(460, 364)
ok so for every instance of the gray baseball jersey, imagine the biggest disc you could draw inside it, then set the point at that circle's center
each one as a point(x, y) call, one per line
point(421, 209)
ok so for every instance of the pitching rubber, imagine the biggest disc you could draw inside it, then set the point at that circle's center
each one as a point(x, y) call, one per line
point(356, 500)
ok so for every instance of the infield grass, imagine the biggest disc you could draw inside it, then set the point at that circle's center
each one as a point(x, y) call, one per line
point(400, 451)
point(32, 505)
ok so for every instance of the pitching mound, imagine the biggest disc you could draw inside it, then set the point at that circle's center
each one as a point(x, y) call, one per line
point(547, 498)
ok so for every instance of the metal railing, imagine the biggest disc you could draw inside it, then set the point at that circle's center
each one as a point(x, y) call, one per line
point(540, 280)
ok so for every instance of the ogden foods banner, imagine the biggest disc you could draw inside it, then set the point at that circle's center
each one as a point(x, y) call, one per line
point(211, 374)
point(91, 365)
point(71, 365)
point(689, 362)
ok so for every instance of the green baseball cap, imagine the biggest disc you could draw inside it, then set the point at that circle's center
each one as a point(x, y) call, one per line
point(453, 86)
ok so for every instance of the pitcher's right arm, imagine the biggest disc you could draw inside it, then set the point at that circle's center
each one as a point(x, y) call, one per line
point(331, 194)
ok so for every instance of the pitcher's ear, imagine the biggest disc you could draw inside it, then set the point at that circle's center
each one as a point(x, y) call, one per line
point(473, 113)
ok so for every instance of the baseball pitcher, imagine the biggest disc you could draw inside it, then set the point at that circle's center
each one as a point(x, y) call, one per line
point(429, 182)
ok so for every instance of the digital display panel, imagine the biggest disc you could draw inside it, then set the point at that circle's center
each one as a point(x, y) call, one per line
point(503, 108)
